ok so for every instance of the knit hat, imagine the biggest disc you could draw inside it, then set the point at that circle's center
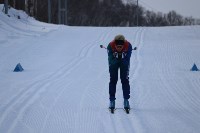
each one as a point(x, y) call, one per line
point(119, 37)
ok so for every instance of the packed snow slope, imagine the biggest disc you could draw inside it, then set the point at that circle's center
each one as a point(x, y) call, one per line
point(64, 85)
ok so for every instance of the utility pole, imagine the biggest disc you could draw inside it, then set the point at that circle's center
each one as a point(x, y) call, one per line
point(137, 13)
point(49, 11)
point(6, 6)
point(66, 12)
point(59, 8)
point(62, 12)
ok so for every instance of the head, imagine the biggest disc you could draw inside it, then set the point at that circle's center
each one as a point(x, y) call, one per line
point(119, 40)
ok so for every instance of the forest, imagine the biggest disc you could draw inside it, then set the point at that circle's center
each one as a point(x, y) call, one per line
point(103, 13)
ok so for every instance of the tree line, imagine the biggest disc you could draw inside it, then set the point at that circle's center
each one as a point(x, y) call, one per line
point(106, 13)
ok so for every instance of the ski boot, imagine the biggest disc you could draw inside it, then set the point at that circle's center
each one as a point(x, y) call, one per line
point(112, 107)
point(126, 106)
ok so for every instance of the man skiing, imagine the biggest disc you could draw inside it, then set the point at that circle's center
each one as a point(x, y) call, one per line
point(119, 53)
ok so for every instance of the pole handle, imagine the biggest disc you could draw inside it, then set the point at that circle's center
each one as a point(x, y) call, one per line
point(101, 46)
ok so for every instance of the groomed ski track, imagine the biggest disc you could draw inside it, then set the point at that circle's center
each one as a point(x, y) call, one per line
point(64, 88)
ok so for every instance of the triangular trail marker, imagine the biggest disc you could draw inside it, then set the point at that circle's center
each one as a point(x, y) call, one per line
point(18, 68)
point(194, 68)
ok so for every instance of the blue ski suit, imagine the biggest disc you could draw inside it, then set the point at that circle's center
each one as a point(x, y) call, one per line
point(115, 64)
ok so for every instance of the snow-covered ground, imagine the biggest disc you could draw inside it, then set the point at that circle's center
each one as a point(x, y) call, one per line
point(64, 85)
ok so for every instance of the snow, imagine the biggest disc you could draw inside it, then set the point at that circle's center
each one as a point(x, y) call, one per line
point(64, 85)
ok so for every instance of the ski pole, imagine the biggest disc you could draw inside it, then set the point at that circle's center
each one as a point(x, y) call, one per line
point(101, 46)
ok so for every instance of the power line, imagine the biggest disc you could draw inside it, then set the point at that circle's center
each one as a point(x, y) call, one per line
point(149, 6)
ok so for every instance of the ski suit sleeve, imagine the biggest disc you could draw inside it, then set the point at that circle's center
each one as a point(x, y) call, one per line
point(128, 54)
point(111, 59)
point(129, 51)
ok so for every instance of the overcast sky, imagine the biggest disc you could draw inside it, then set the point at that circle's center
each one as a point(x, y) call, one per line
point(186, 8)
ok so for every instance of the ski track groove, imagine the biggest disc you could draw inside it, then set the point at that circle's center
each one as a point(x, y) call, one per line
point(175, 95)
point(104, 36)
point(52, 106)
point(168, 72)
point(136, 67)
point(26, 103)
point(133, 117)
point(34, 90)
point(135, 54)
point(89, 91)
point(25, 90)
point(88, 49)
point(61, 75)
point(85, 52)
point(29, 99)
point(91, 94)
point(176, 103)
point(14, 101)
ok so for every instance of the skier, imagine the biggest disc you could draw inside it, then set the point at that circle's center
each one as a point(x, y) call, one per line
point(119, 53)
